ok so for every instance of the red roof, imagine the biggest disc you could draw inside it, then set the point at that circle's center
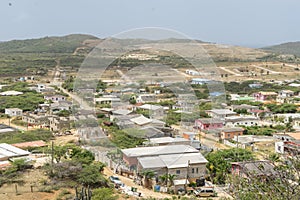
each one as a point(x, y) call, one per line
point(38, 143)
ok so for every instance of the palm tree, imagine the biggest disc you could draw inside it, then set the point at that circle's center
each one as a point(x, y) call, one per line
point(148, 175)
point(164, 179)
point(171, 178)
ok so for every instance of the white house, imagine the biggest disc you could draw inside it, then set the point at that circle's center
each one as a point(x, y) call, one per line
point(234, 121)
point(13, 112)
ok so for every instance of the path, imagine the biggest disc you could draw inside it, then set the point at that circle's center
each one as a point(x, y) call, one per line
point(229, 71)
point(271, 71)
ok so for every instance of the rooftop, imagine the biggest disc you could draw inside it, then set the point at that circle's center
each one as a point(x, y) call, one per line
point(158, 150)
point(150, 107)
point(222, 111)
point(7, 150)
point(172, 161)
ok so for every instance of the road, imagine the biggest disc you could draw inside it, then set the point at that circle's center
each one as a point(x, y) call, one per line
point(229, 71)
point(271, 71)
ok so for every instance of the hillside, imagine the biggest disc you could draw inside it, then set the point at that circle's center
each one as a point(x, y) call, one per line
point(65, 44)
point(292, 48)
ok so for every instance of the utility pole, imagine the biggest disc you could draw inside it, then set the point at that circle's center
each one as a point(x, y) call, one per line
point(187, 174)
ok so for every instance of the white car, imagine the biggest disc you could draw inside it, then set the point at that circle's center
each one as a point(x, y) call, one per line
point(115, 180)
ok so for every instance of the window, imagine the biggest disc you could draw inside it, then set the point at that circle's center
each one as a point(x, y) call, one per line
point(177, 171)
point(193, 170)
point(197, 171)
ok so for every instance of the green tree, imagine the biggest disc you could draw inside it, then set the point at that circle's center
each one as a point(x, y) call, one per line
point(90, 176)
point(103, 194)
point(219, 162)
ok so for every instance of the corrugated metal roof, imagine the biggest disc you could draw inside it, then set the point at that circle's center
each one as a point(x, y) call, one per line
point(7, 150)
point(160, 150)
point(172, 161)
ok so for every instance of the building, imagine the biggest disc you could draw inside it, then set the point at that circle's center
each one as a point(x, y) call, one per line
point(259, 168)
point(57, 124)
point(246, 107)
point(11, 93)
point(234, 121)
point(146, 98)
point(60, 105)
point(163, 141)
point(55, 98)
point(107, 99)
point(192, 72)
point(208, 123)
point(285, 93)
point(229, 133)
point(200, 81)
point(191, 165)
point(220, 113)
point(8, 151)
point(131, 155)
point(155, 111)
point(13, 112)
point(41, 87)
point(265, 96)
point(32, 144)
point(288, 147)
point(36, 121)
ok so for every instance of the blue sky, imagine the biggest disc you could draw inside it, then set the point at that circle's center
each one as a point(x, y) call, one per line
point(252, 23)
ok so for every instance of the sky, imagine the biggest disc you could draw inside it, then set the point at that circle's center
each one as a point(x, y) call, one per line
point(252, 23)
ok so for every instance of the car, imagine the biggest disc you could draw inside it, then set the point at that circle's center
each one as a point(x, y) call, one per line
point(205, 192)
point(115, 180)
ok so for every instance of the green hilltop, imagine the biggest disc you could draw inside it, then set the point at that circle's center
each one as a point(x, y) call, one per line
point(64, 44)
point(292, 48)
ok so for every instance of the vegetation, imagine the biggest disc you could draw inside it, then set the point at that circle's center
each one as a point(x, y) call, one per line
point(282, 183)
point(27, 101)
point(74, 166)
point(32, 135)
point(283, 108)
point(219, 162)
point(103, 194)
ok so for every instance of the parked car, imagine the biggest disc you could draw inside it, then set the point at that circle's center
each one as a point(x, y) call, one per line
point(205, 192)
point(115, 180)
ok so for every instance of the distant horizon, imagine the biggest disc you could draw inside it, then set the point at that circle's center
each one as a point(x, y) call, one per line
point(252, 23)
point(213, 42)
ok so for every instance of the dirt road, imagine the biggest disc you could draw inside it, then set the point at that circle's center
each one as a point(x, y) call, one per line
point(129, 182)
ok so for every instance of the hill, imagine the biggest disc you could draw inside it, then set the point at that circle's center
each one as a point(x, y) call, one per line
point(292, 48)
point(65, 44)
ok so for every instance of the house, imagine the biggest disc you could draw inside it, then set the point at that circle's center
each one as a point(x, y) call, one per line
point(265, 96)
point(151, 132)
point(13, 112)
point(36, 121)
point(60, 105)
point(208, 123)
point(57, 124)
point(107, 99)
point(183, 165)
point(131, 155)
point(162, 141)
point(255, 85)
point(285, 93)
point(55, 98)
point(288, 147)
point(8, 151)
point(6, 129)
point(11, 93)
point(229, 133)
point(121, 112)
point(234, 121)
point(146, 98)
point(220, 113)
point(259, 168)
point(32, 144)
point(192, 72)
point(41, 87)
point(200, 81)
point(246, 107)
point(155, 111)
